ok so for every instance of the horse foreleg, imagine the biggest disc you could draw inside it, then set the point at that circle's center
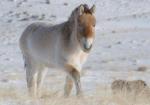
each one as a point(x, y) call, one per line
point(75, 74)
point(76, 77)
point(68, 86)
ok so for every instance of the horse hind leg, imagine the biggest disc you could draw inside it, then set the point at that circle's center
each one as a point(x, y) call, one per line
point(41, 75)
point(31, 77)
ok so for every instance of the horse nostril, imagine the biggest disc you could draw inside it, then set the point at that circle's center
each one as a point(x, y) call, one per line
point(87, 47)
point(90, 47)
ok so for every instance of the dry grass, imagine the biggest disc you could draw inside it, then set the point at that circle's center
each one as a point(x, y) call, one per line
point(101, 96)
point(10, 95)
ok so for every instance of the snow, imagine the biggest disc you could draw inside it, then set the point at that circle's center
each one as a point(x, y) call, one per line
point(121, 44)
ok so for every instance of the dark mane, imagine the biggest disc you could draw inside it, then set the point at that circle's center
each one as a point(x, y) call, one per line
point(86, 9)
point(67, 30)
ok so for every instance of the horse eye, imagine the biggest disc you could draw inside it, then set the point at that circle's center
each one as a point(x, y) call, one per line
point(93, 25)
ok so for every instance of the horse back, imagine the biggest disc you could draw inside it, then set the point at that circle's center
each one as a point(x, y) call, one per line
point(40, 40)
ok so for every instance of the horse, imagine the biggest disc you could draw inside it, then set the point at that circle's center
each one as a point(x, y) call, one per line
point(65, 46)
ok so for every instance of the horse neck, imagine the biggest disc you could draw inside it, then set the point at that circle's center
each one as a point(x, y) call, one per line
point(70, 32)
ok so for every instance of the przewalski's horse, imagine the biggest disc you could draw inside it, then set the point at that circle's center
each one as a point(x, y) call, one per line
point(64, 46)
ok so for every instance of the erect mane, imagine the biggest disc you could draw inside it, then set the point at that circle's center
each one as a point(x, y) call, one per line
point(86, 10)
point(67, 31)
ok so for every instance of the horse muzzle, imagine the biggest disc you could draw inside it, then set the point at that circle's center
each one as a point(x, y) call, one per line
point(87, 48)
point(87, 44)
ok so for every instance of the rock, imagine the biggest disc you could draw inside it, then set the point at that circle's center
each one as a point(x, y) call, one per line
point(53, 16)
point(19, 4)
point(65, 4)
point(142, 69)
point(109, 46)
point(26, 13)
point(34, 16)
point(113, 31)
point(42, 17)
point(7, 59)
point(5, 80)
point(25, 0)
point(133, 42)
point(47, 2)
point(9, 21)
point(12, 0)
point(17, 15)
point(119, 42)
point(24, 19)
point(10, 12)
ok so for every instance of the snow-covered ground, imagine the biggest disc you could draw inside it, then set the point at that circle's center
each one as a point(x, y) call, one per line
point(121, 45)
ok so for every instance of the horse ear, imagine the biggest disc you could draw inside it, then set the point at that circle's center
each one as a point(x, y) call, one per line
point(93, 9)
point(81, 9)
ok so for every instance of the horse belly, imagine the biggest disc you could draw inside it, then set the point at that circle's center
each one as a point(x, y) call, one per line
point(44, 56)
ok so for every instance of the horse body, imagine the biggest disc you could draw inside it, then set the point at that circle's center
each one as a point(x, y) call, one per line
point(46, 45)
point(59, 46)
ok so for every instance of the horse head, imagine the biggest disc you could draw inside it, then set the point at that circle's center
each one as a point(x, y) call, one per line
point(84, 22)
